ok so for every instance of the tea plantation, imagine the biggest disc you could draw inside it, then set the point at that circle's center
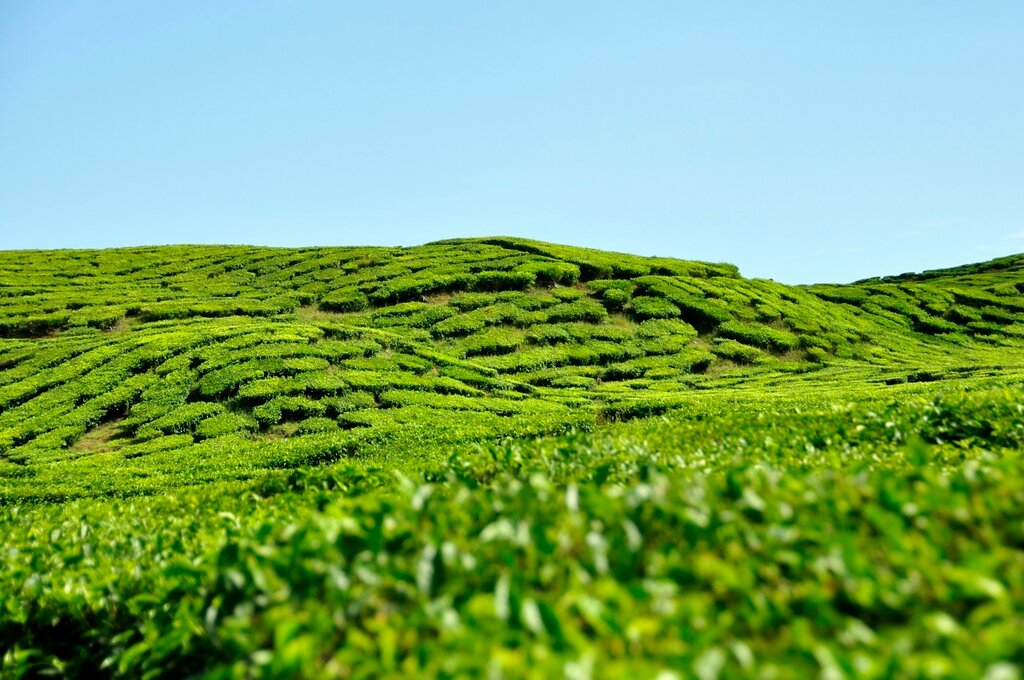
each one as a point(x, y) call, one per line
point(505, 458)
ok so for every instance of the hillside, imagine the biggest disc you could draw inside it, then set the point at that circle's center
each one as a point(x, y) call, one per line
point(129, 370)
point(235, 420)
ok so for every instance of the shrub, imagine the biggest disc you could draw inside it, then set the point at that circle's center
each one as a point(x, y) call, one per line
point(808, 341)
point(496, 280)
point(409, 287)
point(347, 300)
point(181, 420)
point(851, 295)
point(996, 314)
point(424, 318)
point(287, 407)
point(932, 325)
point(962, 314)
point(699, 312)
point(224, 423)
point(580, 310)
point(615, 298)
point(534, 301)
point(602, 285)
point(631, 410)
point(548, 334)
point(689, 360)
point(759, 336)
point(465, 302)
point(665, 344)
point(456, 326)
point(974, 298)
point(493, 341)
point(552, 273)
point(655, 328)
point(645, 307)
point(567, 294)
point(32, 326)
point(317, 424)
point(573, 382)
point(353, 401)
point(817, 354)
point(737, 352)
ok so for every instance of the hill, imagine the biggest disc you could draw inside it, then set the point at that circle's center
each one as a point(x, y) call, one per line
point(118, 359)
point(281, 437)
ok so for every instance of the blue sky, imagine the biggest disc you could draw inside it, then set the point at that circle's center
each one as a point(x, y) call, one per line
point(802, 141)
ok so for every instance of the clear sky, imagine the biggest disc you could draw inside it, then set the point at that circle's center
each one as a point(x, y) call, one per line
point(802, 141)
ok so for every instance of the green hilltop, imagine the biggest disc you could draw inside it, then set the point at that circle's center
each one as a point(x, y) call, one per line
point(129, 370)
point(503, 458)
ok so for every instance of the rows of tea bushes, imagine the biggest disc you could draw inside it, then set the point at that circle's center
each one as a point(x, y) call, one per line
point(156, 409)
point(788, 539)
point(505, 458)
point(42, 293)
point(219, 356)
point(180, 404)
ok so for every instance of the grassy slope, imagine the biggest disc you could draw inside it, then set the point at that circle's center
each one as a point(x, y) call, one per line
point(242, 390)
point(129, 371)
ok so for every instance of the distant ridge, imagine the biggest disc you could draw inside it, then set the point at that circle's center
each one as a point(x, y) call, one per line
point(1007, 264)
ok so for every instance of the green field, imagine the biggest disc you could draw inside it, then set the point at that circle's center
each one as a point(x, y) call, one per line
point(505, 458)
